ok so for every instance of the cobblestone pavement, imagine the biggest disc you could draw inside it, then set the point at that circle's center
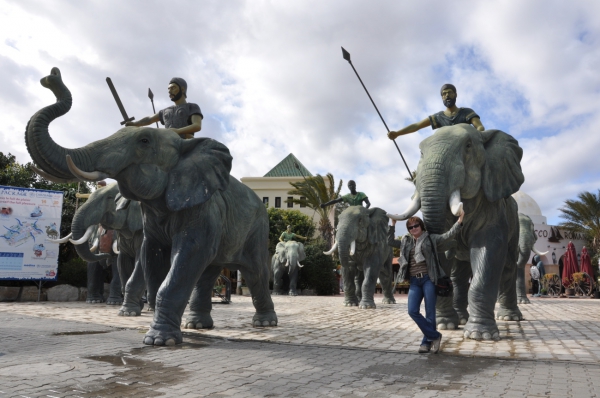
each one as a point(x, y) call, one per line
point(320, 349)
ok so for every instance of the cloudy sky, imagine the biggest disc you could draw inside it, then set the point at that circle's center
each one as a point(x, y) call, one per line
point(270, 79)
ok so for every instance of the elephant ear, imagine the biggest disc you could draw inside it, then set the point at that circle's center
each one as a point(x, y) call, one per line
point(502, 175)
point(203, 167)
point(378, 221)
point(301, 253)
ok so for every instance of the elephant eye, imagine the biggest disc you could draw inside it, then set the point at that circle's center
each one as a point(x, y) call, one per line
point(145, 140)
point(469, 145)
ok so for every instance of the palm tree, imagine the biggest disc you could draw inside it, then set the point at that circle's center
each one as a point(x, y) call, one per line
point(583, 216)
point(312, 192)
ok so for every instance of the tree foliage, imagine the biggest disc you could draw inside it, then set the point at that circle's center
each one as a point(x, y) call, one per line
point(17, 175)
point(279, 219)
point(318, 272)
point(582, 215)
point(316, 190)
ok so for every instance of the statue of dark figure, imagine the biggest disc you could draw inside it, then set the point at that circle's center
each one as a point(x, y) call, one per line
point(354, 198)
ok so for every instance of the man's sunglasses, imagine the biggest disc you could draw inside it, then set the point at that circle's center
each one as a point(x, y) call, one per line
point(413, 226)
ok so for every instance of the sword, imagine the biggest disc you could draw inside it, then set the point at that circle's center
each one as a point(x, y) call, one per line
point(151, 96)
point(118, 101)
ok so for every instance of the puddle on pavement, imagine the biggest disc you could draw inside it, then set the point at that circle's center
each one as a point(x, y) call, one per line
point(80, 333)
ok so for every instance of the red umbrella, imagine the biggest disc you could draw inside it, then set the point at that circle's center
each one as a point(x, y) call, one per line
point(570, 265)
point(586, 263)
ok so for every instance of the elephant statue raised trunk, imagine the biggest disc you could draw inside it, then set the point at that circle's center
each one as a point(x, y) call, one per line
point(197, 219)
point(463, 168)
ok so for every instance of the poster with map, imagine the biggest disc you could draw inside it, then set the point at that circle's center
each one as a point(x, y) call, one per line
point(29, 220)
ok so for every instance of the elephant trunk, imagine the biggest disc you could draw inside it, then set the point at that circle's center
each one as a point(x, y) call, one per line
point(47, 154)
point(78, 228)
point(434, 201)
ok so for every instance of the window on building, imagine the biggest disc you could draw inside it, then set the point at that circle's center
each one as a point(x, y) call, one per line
point(266, 200)
point(290, 204)
point(302, 198)
point(278, 202)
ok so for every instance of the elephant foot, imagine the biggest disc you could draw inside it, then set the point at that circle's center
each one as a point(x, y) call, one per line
point(388, 300)
point(506, 314)
point(264, 319)
point(276, 293)
point(367, 305)
point(447, 322)
point(523, 300)
point(463, 317)
point(477, 329)
point(292, 293)
point(114, 301)
point(94, 301)
point(163, 337)
point(351, 302)
point(198, 320)
point(131, 309)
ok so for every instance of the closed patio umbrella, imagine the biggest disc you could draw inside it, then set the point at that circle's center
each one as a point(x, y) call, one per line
point(586, 263)
point(570, 265)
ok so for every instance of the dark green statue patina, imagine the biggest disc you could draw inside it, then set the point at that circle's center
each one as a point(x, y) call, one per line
point(354, 198)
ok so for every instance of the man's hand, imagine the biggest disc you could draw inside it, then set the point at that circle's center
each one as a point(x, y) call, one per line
point(322, 205)
point(392, 135)
point(461, 216)
point(393, 222)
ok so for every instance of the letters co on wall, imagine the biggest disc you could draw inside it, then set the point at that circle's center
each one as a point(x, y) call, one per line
point(29, 218)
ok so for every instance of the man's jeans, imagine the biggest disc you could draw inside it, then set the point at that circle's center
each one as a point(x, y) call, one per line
point(423, 288)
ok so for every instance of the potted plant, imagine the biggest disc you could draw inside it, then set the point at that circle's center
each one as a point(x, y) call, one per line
point(577, 278)
point(544, 291)
point(570, 289)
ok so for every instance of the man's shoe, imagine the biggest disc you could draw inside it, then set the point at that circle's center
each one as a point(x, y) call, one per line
point(435, 344)
point(424, 349)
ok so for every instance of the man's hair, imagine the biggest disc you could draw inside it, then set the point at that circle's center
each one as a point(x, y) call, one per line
point(351, 181)
point(413, 220)
point(181, 83)
point(448, 86)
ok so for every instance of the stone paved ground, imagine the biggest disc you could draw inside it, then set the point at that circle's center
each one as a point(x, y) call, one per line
point(320, 349)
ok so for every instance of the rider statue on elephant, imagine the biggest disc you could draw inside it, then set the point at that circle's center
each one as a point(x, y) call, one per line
point(354, 198)
point(185, 118)
point(449, 117)
point(288, 235)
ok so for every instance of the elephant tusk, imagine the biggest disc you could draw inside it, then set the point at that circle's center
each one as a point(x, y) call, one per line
point(456, 205)
point(414, 207)
point(300, 265)
point(538, 253)
point(333, 249)
point(287, 263)
point(85, 175)
point(61, 240)
point(52, 178)
point(85, 236)
point(94, 245)
point(115, 247)
point(352, 247)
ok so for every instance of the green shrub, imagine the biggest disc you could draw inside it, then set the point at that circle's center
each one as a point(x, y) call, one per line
point(73, 272)
point(317, 272)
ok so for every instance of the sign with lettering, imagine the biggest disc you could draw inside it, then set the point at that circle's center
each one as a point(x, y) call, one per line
point(29, 219)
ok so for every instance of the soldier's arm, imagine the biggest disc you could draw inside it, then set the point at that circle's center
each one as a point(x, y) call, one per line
point(368, 204)
point(411, 128)
point(477, 124)
point(300, 237)
point(145, 121)
point(331, 202)
point(281, 237)
point(192, 128)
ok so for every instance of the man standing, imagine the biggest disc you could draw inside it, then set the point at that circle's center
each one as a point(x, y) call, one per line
point(450, 116)
point(184, 118)
point(354, 198)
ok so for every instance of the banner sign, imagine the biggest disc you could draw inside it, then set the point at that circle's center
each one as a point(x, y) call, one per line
point(28, 219)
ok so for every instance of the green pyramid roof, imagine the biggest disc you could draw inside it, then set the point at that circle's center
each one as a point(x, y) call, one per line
point(286, 168)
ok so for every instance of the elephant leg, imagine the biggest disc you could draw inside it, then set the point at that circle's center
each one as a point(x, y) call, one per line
point(95, 283)
point(359, 278)
point(521, 289)
point(115, 297)
point(488, 256)
point(277, 277)
point(349, 273)
point(134, 288)
point(201, 300)
point(386, 276)
point(445, 314)
point(293, 274)
point(461, 273)
point(370, 272)
point(507, 297)
point(156, 264)
point(256, 272)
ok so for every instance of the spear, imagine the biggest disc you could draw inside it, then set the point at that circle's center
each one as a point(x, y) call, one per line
point(346, 56)
point(151, 96)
